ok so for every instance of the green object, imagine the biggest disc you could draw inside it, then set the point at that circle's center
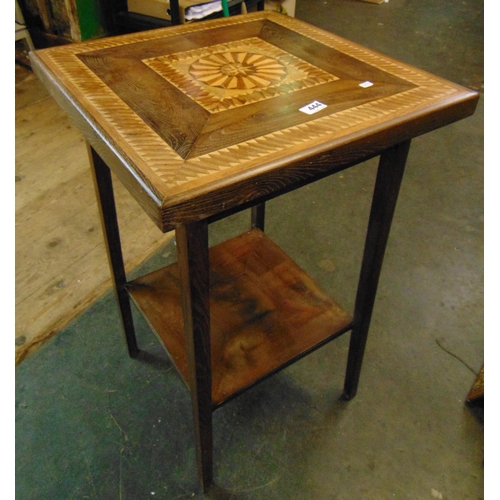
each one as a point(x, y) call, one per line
point(225, 8)
point(90, 18)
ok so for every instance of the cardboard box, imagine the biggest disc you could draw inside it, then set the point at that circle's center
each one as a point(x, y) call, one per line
point(153, 8)
point(288, 6)
point(159, 8)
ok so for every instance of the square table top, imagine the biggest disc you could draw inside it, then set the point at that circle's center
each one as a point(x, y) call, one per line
point(204, 117)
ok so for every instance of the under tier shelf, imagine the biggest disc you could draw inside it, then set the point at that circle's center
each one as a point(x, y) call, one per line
point(265, 311)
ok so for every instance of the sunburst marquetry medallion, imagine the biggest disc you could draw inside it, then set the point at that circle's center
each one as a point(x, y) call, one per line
point(238, 70)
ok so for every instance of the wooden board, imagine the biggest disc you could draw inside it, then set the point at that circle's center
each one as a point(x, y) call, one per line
point(61, 264)
point(265, 312)
point(476, 392)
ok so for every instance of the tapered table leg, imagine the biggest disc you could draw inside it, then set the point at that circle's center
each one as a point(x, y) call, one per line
point(106, 202)
point(192, 248)
point(258, 216)
point(389, 176)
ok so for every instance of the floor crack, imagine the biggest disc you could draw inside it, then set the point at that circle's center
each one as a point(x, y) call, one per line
point(455, 356)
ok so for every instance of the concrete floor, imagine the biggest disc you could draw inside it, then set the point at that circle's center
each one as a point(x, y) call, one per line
point(93, 424)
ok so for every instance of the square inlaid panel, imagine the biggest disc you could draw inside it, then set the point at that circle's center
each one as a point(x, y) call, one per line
point(229, 75)
point(196, 108)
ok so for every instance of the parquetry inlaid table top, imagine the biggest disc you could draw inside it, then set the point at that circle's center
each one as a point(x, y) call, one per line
point(199, 118)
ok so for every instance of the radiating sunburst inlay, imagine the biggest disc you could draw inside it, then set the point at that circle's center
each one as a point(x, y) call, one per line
point(238, 70)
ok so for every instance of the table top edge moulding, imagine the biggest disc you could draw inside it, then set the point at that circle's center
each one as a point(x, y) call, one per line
point(242, 82)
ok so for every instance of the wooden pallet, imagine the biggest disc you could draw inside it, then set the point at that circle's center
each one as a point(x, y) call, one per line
point(61, 265)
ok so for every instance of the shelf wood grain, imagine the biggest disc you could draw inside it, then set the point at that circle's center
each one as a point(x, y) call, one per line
point(266, 312)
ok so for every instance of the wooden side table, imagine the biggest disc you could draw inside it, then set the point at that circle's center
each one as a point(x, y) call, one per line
point(200, 121)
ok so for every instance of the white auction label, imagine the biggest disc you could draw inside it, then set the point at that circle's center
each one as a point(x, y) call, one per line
point(312, 108)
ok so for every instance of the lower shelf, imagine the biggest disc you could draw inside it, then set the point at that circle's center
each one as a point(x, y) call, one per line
point(265, 312)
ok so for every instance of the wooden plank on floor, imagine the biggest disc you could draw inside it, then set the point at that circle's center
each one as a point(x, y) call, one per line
point(61, 263)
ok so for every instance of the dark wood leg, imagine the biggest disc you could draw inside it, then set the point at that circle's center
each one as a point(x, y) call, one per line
point(192, 248)
point(389, 176)
point(106, 202)
point(175, 14)
point(258, 216)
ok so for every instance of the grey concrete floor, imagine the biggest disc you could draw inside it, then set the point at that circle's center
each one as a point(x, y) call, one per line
point(93, 424)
